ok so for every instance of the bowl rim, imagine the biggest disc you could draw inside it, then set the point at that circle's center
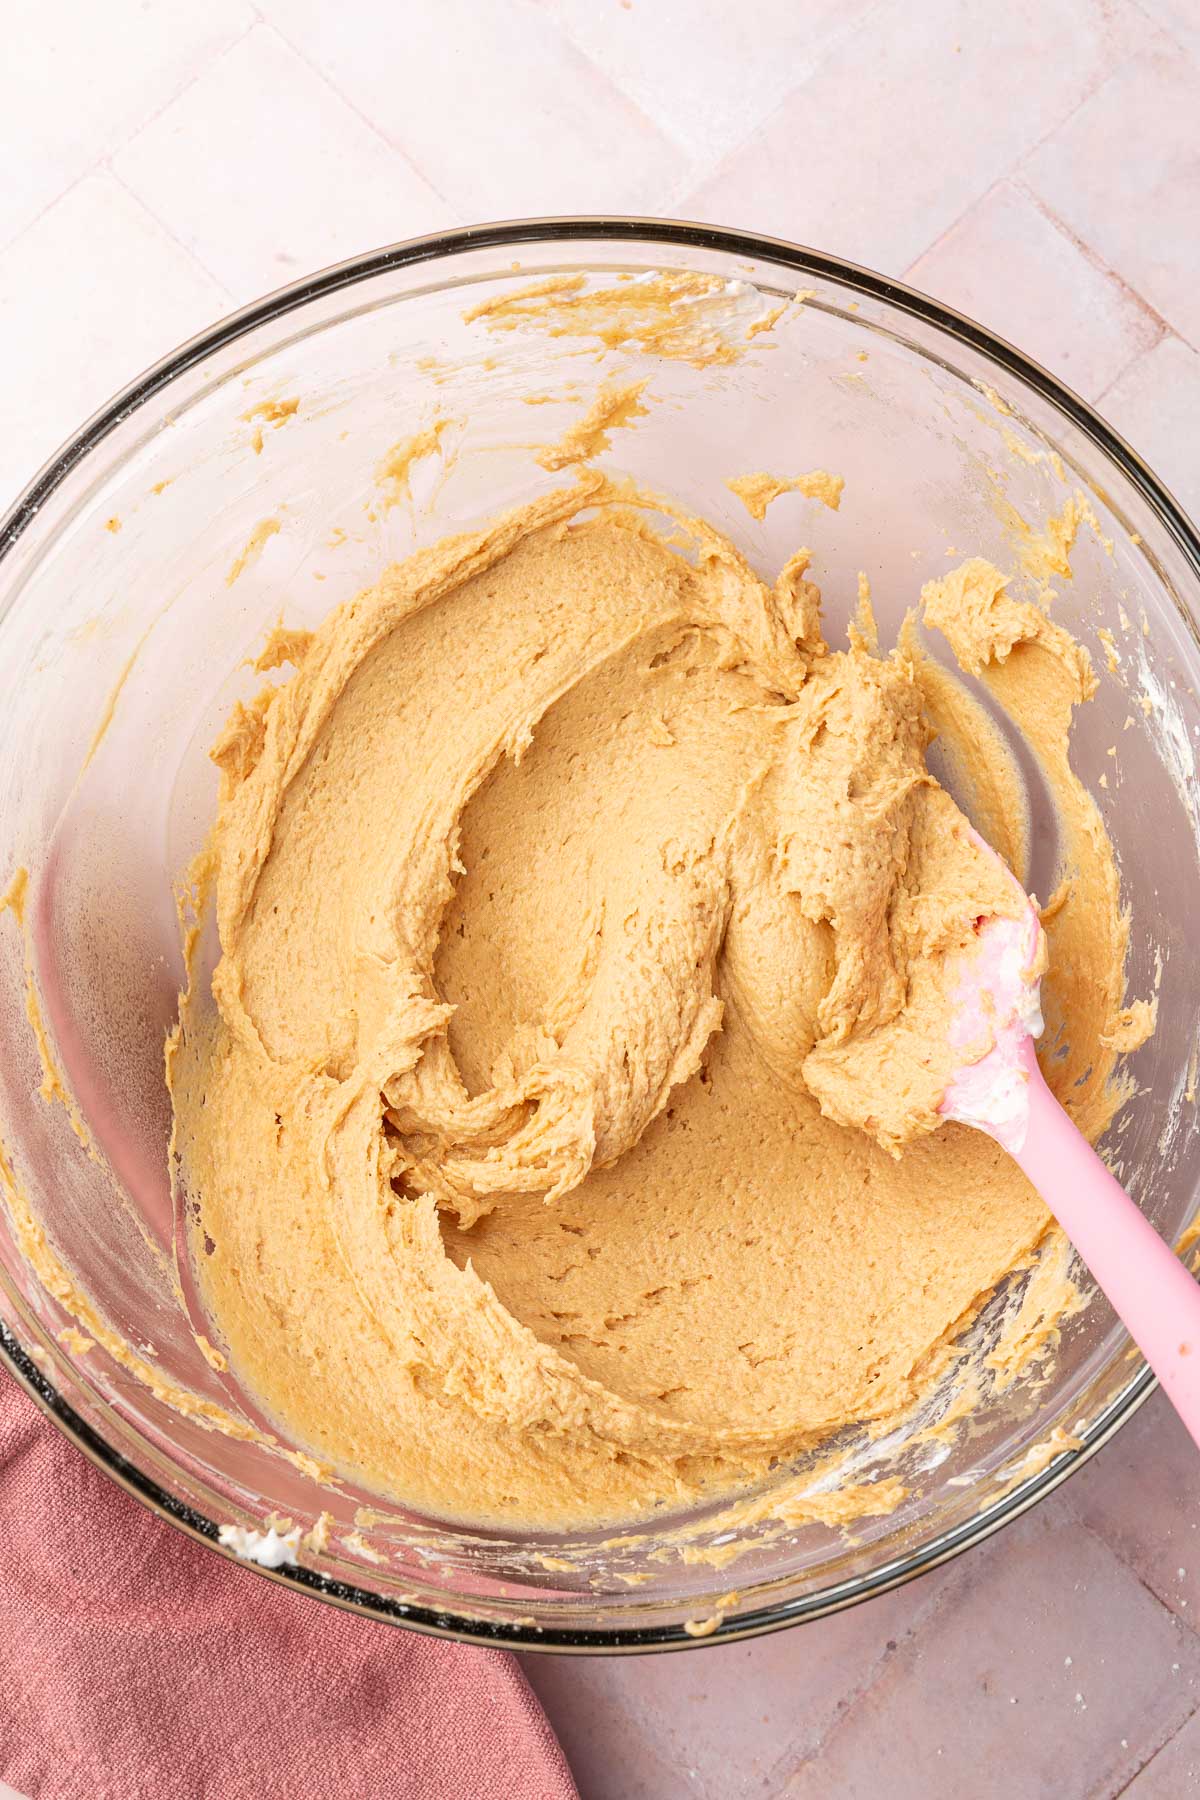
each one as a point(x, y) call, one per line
point(616, 229)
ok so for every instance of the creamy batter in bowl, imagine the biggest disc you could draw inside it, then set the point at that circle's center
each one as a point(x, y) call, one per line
point(411, 421)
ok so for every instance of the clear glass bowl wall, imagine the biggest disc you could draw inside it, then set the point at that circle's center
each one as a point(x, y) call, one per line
point(145, 614)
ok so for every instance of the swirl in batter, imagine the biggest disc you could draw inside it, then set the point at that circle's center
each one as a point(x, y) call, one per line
point(563, 1138)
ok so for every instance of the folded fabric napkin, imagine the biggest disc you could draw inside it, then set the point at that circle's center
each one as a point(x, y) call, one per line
point(136, 1665)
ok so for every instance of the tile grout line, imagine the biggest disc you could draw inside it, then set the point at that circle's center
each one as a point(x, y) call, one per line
point(1153, 1757)
point(376, 131)
point(834, 42)
point(789, 1772)
point(1131, 362)
point(169, 232)
point(100, 162)
point(1103, 78)
point(979, 200)
point(777, 112)
point(1097, 261)
point(1022, 178)
point(787, 1769)
point(606, 81)
point(1010, 173)
point(1184, 1625)
point(397, 149)
point(10, 243)
point(1157, 25)
point(1143, 1766)
point(1150, 1759)
point(177, 93)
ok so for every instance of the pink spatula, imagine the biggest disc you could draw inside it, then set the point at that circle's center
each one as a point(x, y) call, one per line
point(1005, 1095)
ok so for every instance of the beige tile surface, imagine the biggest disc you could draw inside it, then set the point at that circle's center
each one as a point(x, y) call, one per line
point(495, 105)
point(94, 290)
point(258, 203)
point(908, 122)
point(77, 78)
point(1027, 1632)
point(1123, 173)
point(1175, 1771)
point(1077, 317)
point(1035, 164)
point(1155, 403)
point(664, 58)
point(1179, 17)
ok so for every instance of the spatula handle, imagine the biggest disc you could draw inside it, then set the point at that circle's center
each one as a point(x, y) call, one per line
point(1154, 1294)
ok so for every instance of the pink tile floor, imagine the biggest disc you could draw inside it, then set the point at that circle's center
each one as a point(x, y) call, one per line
point(1036, 164)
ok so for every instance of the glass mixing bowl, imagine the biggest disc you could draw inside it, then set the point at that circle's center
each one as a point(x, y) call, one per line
point(123, 643)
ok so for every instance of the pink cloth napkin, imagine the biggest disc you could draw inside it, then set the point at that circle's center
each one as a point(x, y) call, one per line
point(135, 1665)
